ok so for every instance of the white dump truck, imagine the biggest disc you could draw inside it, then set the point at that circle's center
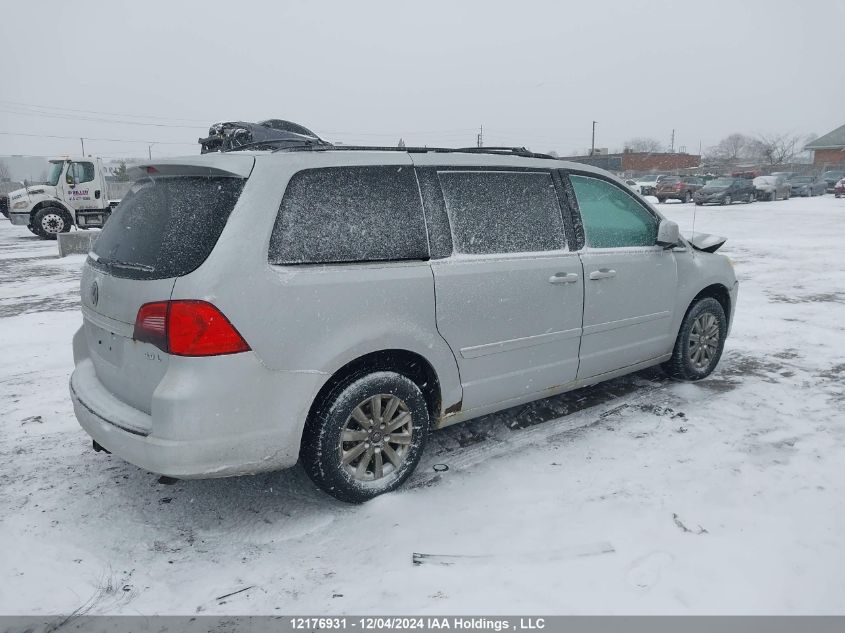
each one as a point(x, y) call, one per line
point(76, 193)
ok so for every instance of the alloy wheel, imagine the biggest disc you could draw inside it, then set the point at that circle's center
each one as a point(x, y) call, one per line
point(376, 439)
point(703, 340)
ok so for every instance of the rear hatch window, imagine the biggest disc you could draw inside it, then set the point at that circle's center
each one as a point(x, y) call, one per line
point(166, 226)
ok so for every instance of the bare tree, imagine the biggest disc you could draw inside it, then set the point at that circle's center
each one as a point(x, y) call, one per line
point(644, 144)
point(732, 149)
point(776, 149)
point(4, 172)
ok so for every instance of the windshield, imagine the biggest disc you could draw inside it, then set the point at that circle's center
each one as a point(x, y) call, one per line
point(801, 179)
point(765, 180)
point(833, 175)
point(720, 182)
point(56, 168)
point(650, 178)
point(165, 227)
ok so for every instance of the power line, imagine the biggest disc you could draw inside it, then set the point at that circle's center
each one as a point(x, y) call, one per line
point(92, 138)
point(132, 116)
point(97, 120)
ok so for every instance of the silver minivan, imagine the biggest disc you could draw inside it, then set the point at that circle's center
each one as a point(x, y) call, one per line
point(247, 310)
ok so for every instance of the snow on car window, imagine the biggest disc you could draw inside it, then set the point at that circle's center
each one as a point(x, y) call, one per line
point(502, 212)
point(350, 214)
point(166, 227)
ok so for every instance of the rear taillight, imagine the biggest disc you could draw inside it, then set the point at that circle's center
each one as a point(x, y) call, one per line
point(679, 186)
point(151, 324)
point(187, 328)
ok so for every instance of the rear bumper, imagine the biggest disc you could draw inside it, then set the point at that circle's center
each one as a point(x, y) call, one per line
point(671, 195)
point(231, 416)
point(21, 219)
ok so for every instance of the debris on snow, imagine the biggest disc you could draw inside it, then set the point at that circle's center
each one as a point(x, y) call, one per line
point(576, 551)
point(684, 528)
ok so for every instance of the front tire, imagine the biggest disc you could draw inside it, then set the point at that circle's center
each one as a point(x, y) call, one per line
point(687, 197)
point(700, 341)
point(50, 221)
point(366, 437)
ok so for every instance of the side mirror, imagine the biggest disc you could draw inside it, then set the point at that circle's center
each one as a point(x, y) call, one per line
point(667, 234)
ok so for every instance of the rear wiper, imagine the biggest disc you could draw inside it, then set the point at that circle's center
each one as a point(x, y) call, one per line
point(120, 264)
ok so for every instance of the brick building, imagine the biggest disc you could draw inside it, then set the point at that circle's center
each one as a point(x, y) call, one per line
point(640, 161)
point(829, 150)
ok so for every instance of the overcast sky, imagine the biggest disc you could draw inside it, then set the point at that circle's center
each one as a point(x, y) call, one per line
point(533, 73)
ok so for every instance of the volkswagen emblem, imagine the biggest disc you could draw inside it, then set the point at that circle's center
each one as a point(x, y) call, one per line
point(95, 293)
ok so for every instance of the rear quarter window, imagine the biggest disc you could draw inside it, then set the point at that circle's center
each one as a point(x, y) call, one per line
point(165, 227)
point(350, 214)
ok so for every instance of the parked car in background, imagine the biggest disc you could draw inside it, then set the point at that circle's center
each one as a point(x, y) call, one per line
point(291, 374)
point(839, 189)
point(808, 186)
point(831, 178)
point(725, 191)
point(771, 188)
point(647, 185)
point(678, 188)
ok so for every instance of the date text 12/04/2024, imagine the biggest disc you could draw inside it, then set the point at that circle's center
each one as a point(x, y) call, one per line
point(409, 623)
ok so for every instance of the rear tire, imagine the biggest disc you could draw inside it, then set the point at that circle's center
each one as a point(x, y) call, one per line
point(50, 221)
point(347, 447)
point(661, 200)
point(700, 341)
point(687, 197)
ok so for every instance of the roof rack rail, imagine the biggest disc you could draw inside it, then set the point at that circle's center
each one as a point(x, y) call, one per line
point(280, 135)
point(515, 151)
point(518, 151)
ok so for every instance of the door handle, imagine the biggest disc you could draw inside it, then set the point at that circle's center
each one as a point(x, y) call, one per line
point(603, 273)
point(563, 278)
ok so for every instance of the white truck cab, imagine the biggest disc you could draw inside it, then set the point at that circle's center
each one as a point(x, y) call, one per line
point(75, 194)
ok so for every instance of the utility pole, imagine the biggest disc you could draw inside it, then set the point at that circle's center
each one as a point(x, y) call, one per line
point(672, 142)
point(479, 140)
point(82, 140)
point(593, 144)
point(150, 150)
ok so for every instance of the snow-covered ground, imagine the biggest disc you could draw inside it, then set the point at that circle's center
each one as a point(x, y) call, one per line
point(725, 496)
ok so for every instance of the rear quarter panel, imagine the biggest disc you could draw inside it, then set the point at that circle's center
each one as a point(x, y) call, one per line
point(314, 319)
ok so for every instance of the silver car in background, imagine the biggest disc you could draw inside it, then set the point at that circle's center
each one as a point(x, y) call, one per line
point(772, 188)
point(247, 310)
